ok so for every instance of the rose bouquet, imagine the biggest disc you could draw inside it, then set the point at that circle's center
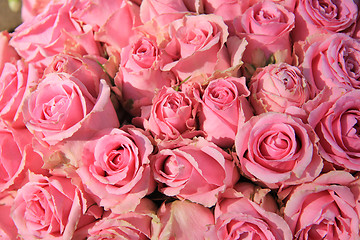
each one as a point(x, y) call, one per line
point(181, 119)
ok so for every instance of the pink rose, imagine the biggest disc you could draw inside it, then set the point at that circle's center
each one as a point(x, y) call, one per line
point(34, 41)
point(193, 39)
point(115, 168)
point(63, 107)
point(325, 208)
point(7, 52)
point(237, 216)
point(314, 17)
point(173, 114)
point(277, 87)
point(132, 225)
point(277, 150)
point(182, 220)
point(16, 81)
point(139, 75)
point(336, 122)
point(223, 105)
point(32, 8)
point(197, 170)
point(332, 61)
point(266, 26)
point(8, 230)
point(52, 208)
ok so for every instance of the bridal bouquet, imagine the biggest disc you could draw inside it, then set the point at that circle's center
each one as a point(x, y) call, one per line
point(181, 119)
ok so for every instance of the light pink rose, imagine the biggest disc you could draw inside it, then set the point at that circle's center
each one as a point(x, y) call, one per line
point(325, 208)
point(316, 17)
point(52, 32)
point(63, 107)
point(277, 150)
point(332, 61)
point(336, 122)
point(16, 80)
point(266, 26)
point(52, 208)
point(7, 52)
point(150, 9)
point(173, 114)
point(195, 170)
point(32, 8)
point(223, 104)
point(8, 230)
point(115, 168)
point(133, 225)
point(276, 87)
point(140, 76)
point(193, 39)
point(238, 216)
point(182, 220)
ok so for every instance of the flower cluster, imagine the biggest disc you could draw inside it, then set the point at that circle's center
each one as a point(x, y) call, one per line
point(181, 119)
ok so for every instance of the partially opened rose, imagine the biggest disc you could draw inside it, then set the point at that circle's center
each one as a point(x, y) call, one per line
point(182, 220)
point(337, 123)
point(276, 87)
point(277, 150)
point(223, 104)
point(316, 17)
point(332, 61)
point(64, 107)
point(52, 208)
point(197, 170)
point(326, 208)
point(115, 168)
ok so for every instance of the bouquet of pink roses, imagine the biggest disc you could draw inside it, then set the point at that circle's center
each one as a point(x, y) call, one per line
point(181, 119)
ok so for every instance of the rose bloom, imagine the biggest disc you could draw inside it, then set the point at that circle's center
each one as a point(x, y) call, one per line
point(173, 114)
point(336, 122)
point(8, 230)
point(52, 208)
point(132, 225)
point(326, 208)
point(182, 220)
point(50, 33)
point(7, 52)
point(247, 212)
point(16, 81)
point(223, 104)
point(64, 107)
point(333, 61)
point(196, 170)
point(193, 39)
point(316, 17)
point(115, 168)
point(266, 26)
point(139, 75)
point(276, 87)
point(277, 150)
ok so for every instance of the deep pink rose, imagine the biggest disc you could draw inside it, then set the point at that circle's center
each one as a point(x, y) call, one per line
point(63, 107)
point(197, 170)
point(276, 87)
point(333, 61)
point(173, 114)
point(115, 168)
point(16, 80)
point(182, 220)
point(245, 213)
point(326, 208)
point(314, 17)
point(7, 52)
point(266, 26)
point(223, 104)
point(52, 32)
point(52, 208)
point(134, 225)
point(196, 46)
point(277, 150)
point(336, 122)
point(140, 76)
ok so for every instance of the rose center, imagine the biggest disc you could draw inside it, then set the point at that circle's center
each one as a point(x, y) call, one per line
point(54, 106)
point(171, 167)
point(326, 8)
